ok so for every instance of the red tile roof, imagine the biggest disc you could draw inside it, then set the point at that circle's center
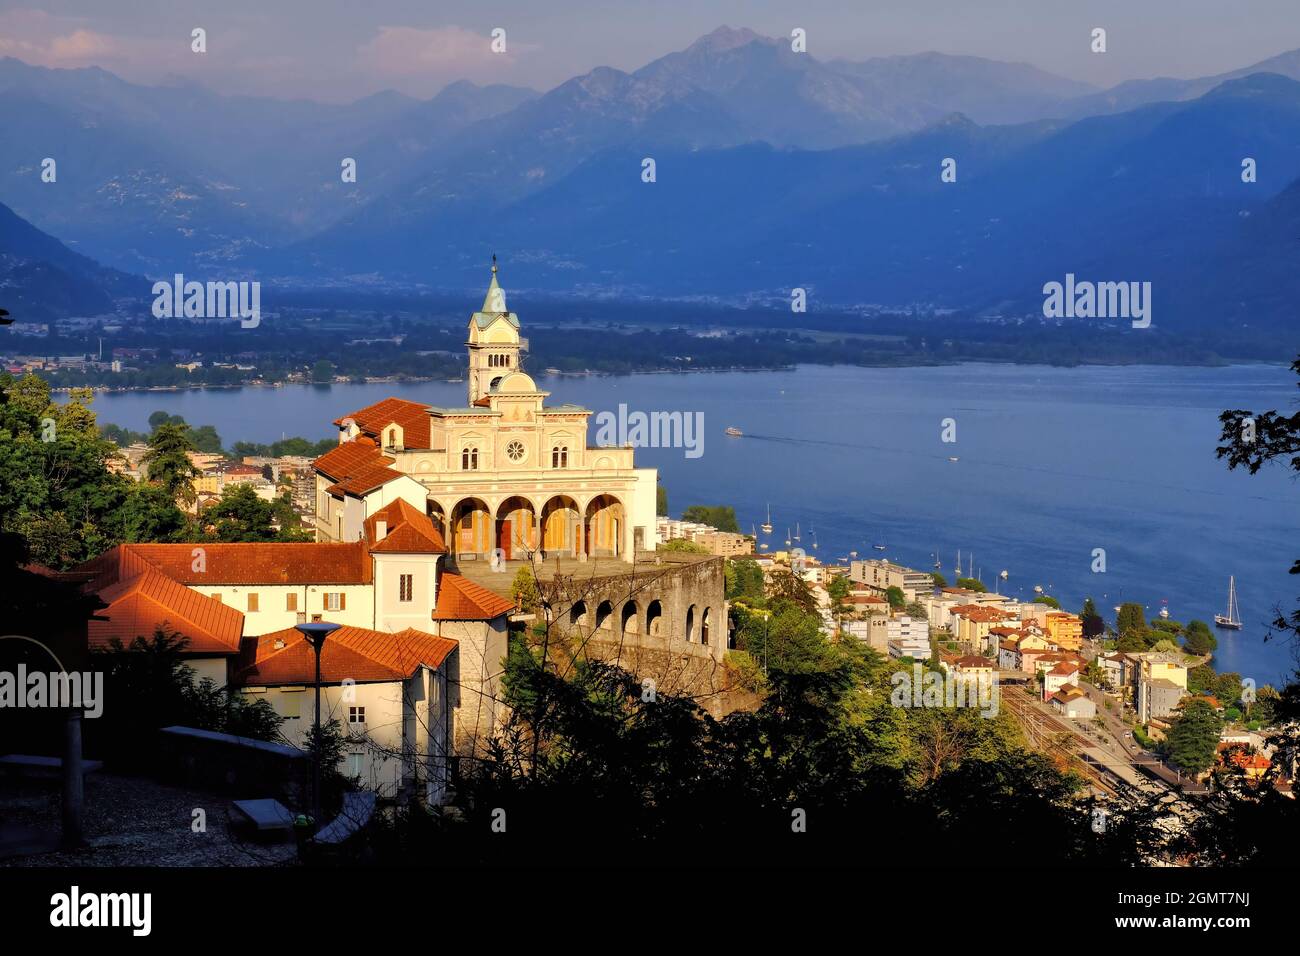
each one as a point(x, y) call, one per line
point(350, 653)
point(460, 599)
point(270, 562)
point(141, 604)
point(409, 530)
point(411, 417)
point(356, 467)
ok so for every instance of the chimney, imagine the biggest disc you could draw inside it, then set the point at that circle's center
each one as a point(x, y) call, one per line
point(381, 530)
point(279, 644)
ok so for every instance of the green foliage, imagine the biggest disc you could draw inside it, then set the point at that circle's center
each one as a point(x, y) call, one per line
point(322, 373)
point(661, 500)
point(151, 686)
point(939, 580)
point(971, 584)
point(1048, 600)
point(523, 590)
point(1193, 738)
point(1094, 625)
point(722, 517)
point(59, 494)
point(897, 599)
point(682, 545)
point(745, 580)
point(168, 464)
point(242, 515)
point(1199, 639)
point(786, 587)
point(1132, 619)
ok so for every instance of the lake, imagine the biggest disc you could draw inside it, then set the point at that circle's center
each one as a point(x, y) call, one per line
point(1053, 463)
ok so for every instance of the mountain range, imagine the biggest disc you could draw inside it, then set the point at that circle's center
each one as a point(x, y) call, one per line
point(773, 170)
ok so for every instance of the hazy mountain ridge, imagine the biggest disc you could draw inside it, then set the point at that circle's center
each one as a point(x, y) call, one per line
point(774, 169)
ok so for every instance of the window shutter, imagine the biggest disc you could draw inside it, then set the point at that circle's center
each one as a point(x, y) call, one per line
point(343, 601)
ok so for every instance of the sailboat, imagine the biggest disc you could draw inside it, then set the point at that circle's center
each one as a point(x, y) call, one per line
point(767, 525)
point(787, 536)
point(1233, 618)
point(937, 563)
point(796, 531)
point(957, 571)
point(814, 537)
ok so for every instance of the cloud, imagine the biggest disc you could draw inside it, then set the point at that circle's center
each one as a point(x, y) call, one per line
point(441, 53)
point(36, 37)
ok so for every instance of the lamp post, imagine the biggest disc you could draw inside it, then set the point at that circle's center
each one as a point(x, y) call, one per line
point(315, 634)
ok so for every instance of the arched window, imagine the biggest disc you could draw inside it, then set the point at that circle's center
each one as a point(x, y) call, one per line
point(469, 459)
point(560, 456)
point(704, 627)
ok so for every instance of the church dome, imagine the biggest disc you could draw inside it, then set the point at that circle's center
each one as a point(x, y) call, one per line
point(516, 383)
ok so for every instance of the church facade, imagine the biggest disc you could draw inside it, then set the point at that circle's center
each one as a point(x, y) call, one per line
point(507, 473)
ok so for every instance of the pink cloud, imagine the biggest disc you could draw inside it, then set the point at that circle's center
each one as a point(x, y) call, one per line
point(440, 53)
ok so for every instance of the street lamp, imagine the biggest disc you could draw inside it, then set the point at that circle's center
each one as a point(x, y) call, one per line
point(315, 634)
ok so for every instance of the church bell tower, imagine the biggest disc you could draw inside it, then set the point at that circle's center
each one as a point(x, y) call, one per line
point(494, 344)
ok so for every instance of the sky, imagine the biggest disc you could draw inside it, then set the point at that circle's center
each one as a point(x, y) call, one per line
point(342, 50)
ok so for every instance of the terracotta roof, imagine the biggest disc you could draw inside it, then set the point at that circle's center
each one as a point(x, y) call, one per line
point(139, 605)
point(411, 417)
point(409, 530)
point(484, 402)
point(270, 562)
point(365, 480)
point(973, 661)
point(1066, 667)
point(460, 599)
point(350, 653)
point(349, 458)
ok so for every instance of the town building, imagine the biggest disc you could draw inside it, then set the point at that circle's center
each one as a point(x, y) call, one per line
point(408, 620)
point(505, 473)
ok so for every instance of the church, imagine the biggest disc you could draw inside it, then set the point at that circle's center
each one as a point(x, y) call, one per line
point(507, 474)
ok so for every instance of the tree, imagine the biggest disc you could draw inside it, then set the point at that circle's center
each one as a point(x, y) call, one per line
point(206, 439)
point(722, 517)
point(1194, 736)
point(243, 515)
point(56, 490)
point(683, 545)
point(971, 584)
point(167, 461)
point(897, 599)
point(322, 373)
point(745, 580)
point(1132, 619)
point(661, 500)
point(1094, 625)
point(1199, 639)
point(1048, 600)
point(939, 580)
point(786, 586)
point(524, 590)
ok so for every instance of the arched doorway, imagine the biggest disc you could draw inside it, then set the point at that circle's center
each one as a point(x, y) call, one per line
point(604, 524)
point(470, 522)
point(690, 624)
point(704, 627)
point(516, 528)
point(560, 526)
point(604, 615)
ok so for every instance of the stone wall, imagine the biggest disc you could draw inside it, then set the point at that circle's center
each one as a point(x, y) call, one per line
point(664, 620)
